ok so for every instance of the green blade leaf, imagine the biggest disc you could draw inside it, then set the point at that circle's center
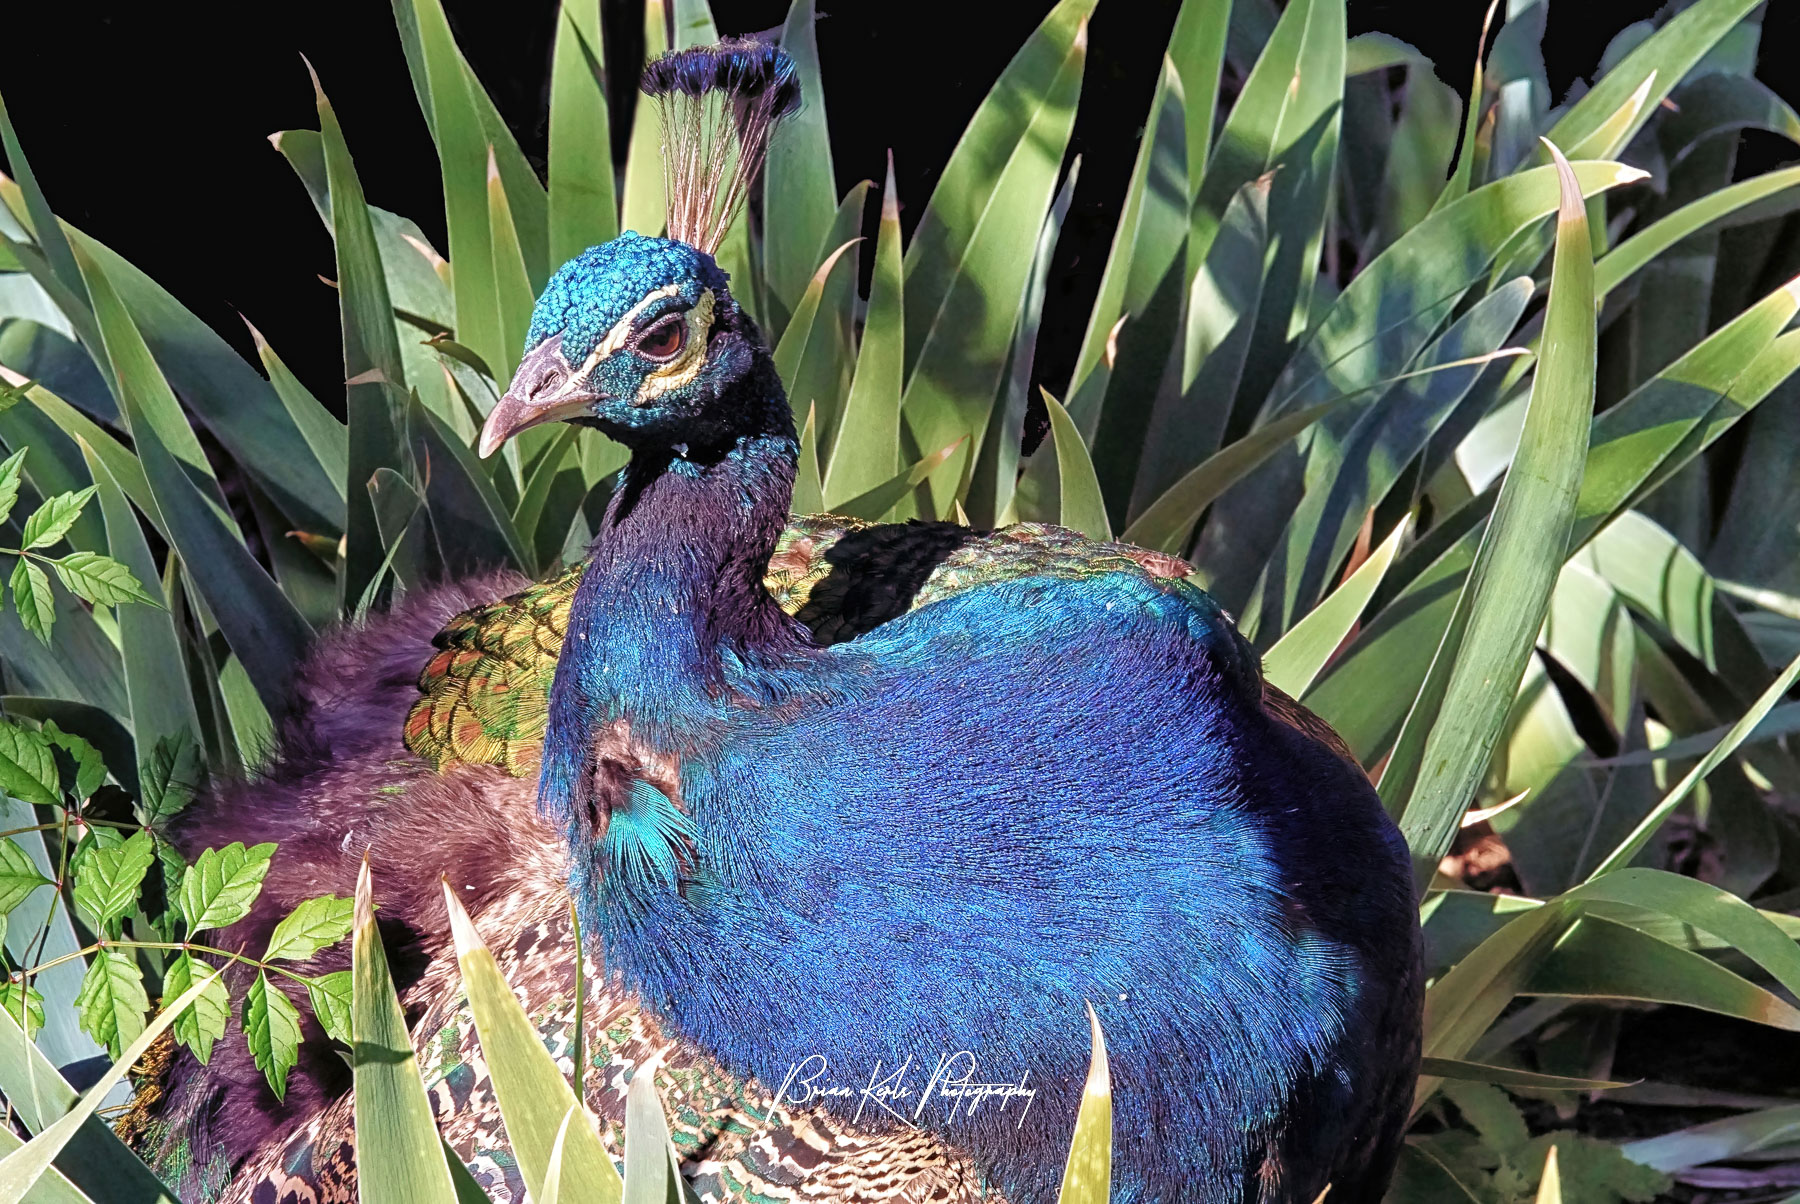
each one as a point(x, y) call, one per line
point(799, 190)
point(204, 1021)
point(220, 886)
point(649, 1169)
point(876, 503)
point(462, 157)
point(642, 207)
point(1087, 1176)
point(311, 926)
point(1716, 1141)
point(1458, 717)
point(512, 285)
point(371, 350)
point(1345, 477)
point(325, 436)
point(1764, 195)
point(1698, 905)
point(1166, 523)
point(583, 211)
point(1636, 443)
point(533, 1094)
point(807, 338)
point(398, 1153)
point(866, 449)
point(1371, 332)
point(1727, 745)
point(1659, 63)
point(1080, 506)
point(970, 257)
point(808, 493)
point(1295, 659)
point(258, 621)
point(1601, 959)
point(1507, 1076)
point(1151, 226)
point(45, 228)
point(1550, 1183)
point(227, 394)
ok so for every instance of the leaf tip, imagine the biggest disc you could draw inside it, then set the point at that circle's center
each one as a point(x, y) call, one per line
point(1571, 208)
point(1099, 1080)
point(462, 928)
point(318, 93)
point(365, 896)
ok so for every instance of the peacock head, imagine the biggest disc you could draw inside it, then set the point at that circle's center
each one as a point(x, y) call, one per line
point(640, 336)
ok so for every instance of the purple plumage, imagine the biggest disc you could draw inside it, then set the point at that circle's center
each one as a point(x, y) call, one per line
point(340, 783)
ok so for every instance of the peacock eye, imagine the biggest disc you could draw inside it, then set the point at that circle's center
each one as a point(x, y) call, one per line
point(664, 340)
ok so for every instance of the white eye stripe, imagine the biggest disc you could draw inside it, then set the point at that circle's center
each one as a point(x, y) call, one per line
point(615, 339)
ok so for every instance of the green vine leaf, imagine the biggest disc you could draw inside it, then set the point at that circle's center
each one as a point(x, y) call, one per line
point(171, 867)
point(169, 780)
point(23, 1003)
point(27, 768)
point(272, 1028)
point(90, 769)
point(204, 1022)
point(31, 594)
point(19, 876)
point(310, 927)
point(107, 886)
point(100, 579)
point(52, 520)
point(220, 886)
point(11, 470)
point(112, 1002)
point(330, 995)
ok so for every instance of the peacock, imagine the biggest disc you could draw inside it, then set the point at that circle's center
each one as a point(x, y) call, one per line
point(859, 820)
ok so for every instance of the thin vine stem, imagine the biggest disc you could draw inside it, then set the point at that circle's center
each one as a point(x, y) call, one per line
point(183, 946)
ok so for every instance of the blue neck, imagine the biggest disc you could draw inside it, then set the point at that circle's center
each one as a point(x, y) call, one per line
point(672, 600)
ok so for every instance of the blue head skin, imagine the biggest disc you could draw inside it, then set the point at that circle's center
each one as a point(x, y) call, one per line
point(639, 337)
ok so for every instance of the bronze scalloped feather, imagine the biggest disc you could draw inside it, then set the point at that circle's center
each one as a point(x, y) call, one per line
point(485, 695)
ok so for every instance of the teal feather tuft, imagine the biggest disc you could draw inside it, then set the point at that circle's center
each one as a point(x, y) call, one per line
point(648, 842)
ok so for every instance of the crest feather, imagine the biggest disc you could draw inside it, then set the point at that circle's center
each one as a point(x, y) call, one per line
point(718, 106)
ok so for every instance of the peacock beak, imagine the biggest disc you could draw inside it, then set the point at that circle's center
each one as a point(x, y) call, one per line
point(542, 390)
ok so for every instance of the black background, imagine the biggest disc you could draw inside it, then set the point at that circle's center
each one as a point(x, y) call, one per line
point(147, 123)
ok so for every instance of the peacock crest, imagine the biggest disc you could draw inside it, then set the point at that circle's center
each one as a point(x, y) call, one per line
point(719, 105)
